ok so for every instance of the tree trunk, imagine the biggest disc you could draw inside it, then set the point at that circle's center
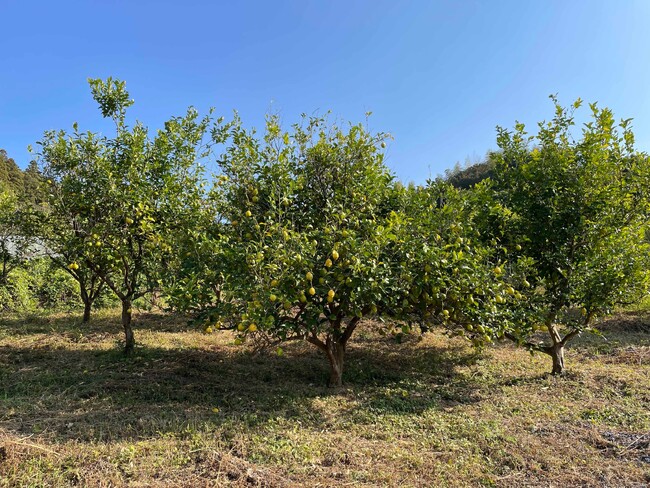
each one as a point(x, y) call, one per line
point(4, 275)
point(88, 303)
point(557, 354)
point(87, 307)
point(335, 355)
point(556, 351)
point(334, 348)
point(126, 324)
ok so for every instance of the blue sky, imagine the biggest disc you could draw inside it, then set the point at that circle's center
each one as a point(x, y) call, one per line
point(438, 75)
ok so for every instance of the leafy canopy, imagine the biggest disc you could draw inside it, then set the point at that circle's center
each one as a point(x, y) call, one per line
point(119, 201)
point(575, 214)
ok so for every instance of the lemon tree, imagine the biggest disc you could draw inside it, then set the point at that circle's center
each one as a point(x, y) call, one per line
point(65, 247)
point(572, 214)
point(450, 277)
point(117, 202)
point(303, 248)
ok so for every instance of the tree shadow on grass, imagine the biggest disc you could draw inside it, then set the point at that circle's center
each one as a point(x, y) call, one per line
point(405, 379)
point(105, 321)
point(102, 395)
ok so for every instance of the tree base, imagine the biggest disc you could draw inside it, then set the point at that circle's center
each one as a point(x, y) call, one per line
point(335, 381)
point(557, 355)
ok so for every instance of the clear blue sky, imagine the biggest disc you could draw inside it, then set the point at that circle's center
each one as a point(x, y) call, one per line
point(438, 75)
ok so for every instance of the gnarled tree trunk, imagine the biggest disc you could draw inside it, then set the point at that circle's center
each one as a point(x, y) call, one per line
point(556, 350)
point(334, 348)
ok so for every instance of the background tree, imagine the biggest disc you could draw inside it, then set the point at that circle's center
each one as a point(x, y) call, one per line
point(64, 244)
point(26, 185)
point(10, 173)
point(17, 232)
point(34, 189)
point(120, 198)
point(468, 176)
point(453, 279)
point(572, 214)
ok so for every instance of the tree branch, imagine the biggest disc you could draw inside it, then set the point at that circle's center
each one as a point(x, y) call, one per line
point(349, 329)
point(313, 339)
point(569, 336)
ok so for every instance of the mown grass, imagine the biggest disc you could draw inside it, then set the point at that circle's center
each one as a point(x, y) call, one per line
point(190, 409)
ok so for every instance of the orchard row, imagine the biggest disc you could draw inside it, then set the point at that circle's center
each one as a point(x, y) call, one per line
point(302, 233)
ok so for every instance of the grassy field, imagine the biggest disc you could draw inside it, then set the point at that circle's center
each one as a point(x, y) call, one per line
point(190, 409)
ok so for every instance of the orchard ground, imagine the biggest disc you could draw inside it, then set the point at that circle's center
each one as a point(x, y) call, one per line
point(192, 409)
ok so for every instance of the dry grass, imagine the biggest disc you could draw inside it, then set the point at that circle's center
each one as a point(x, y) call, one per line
point(190, 409)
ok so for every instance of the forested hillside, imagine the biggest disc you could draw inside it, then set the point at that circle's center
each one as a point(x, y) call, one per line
point(25, 184)
point(467, 176)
